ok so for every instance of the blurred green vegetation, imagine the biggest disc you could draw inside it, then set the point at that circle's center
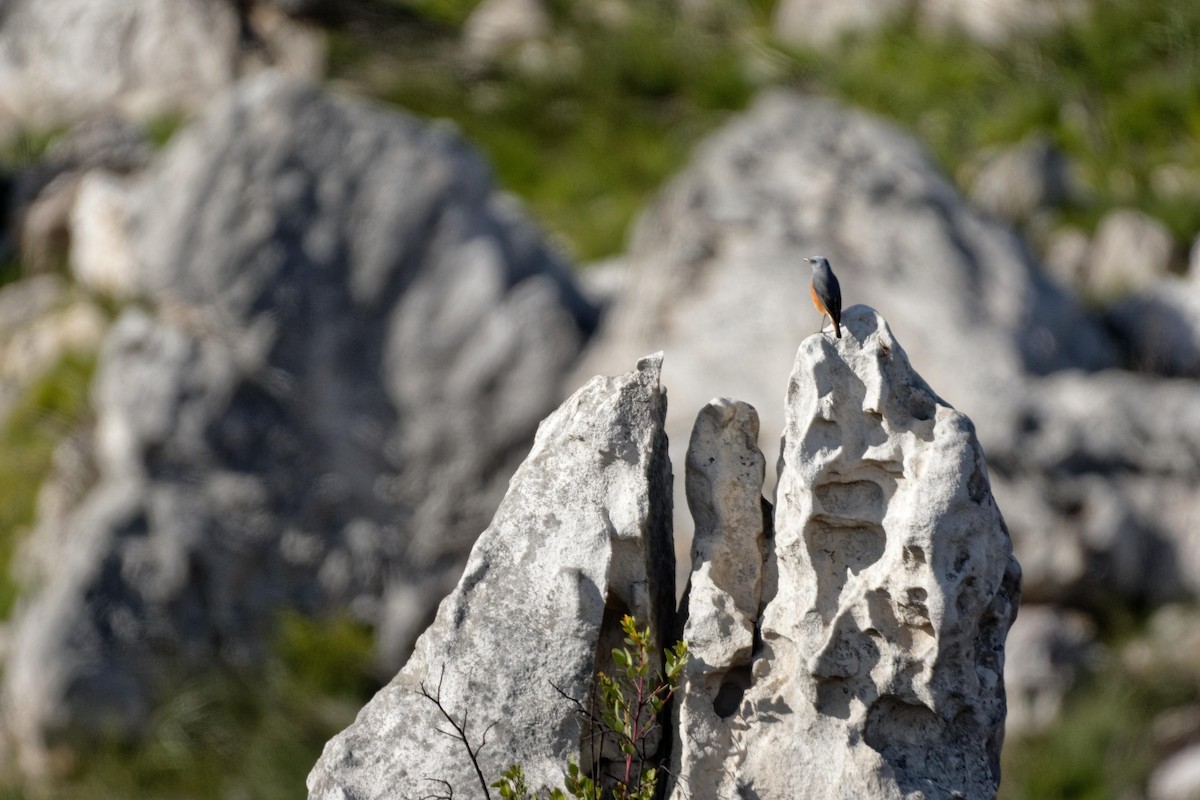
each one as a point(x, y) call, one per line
point(1118, 92)
point(232, 734)
point(53, 406)
point(1108, 738)
point(587, 139)
point(584, 139)
point(26, 147)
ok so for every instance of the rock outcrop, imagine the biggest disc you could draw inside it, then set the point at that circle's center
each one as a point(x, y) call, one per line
point(350, 341)
point(847, 644)
point(1099, 475)
point(888, 592)
point(1076, 448)
point(1131, 251)
point(1160, 327)
point(724, 479)
point(717, 278)
point(62, 61)
point(719, 282)
point(582, 538)
point(820, 23)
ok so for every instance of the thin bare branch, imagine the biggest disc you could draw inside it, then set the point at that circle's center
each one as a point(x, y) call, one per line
point(460, 732)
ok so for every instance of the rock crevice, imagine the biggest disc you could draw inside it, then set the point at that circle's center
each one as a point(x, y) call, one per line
point(847, 642)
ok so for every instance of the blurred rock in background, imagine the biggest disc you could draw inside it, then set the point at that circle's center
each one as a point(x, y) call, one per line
point(326, 339)
point(718, 278)
point(346, 343)
point(822, 24)
point(66, 60)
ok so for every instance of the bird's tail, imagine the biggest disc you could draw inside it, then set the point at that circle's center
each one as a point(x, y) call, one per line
point(837, 328)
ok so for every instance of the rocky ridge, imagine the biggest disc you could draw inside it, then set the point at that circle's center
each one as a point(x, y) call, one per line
point(582, 538)
point(346, 341)
point(848, 644)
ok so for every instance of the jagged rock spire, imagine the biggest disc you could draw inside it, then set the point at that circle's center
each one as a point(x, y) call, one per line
point(889, 589)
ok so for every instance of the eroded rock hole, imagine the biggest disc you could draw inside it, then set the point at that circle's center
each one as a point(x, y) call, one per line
point(837, 550)
point(902, 732)
point(853, 500)
point(732, 690)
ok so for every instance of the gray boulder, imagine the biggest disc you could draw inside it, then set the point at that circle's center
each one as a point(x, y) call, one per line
point(1047, 652)
point(1160, 328)
point(1131, 251)
point(66, 60)
point(820, 23)
point(889, 589)
point(1098, 479)
point(582, 538)
point(354, 338)
point(63, 60)
point(1015, 183)
point(717, 277)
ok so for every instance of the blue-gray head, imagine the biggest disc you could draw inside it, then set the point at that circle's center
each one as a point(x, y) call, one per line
point(818, 262)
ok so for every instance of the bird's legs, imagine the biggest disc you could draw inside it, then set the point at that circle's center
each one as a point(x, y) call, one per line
point(822, 328)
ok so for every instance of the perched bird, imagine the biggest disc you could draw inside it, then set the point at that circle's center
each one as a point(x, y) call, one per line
point(826, 293)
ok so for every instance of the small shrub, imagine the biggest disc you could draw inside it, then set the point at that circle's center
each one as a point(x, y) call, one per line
point(631, 704)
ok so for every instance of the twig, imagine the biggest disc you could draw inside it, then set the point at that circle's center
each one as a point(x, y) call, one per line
point(460, 733)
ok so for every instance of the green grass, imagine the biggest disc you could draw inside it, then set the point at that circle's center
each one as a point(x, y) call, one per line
point(52, 407)
point(1103, 747)
point(588, 145)
point(1119, 92)
point(235, 734)
point(26, 147)
point(584, 145)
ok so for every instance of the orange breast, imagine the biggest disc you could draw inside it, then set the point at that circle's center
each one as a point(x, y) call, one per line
point(816, 299)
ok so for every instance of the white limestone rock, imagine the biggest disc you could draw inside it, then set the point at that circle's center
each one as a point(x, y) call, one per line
point(63, 60)
point(1131, 251)
point(499, 27)
point(716, 276)
point(820, 23)
point(891, 588)
point(1178, 777)
point(724, 479)
point(101, 255)
point(582, 538)
point(993, 22)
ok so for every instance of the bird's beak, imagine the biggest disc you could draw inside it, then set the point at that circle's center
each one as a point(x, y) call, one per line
point(809, 260)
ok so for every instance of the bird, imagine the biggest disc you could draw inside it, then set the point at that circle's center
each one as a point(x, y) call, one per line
point(826, 293)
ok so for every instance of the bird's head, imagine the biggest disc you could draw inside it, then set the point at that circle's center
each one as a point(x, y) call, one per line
point(818, 261)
